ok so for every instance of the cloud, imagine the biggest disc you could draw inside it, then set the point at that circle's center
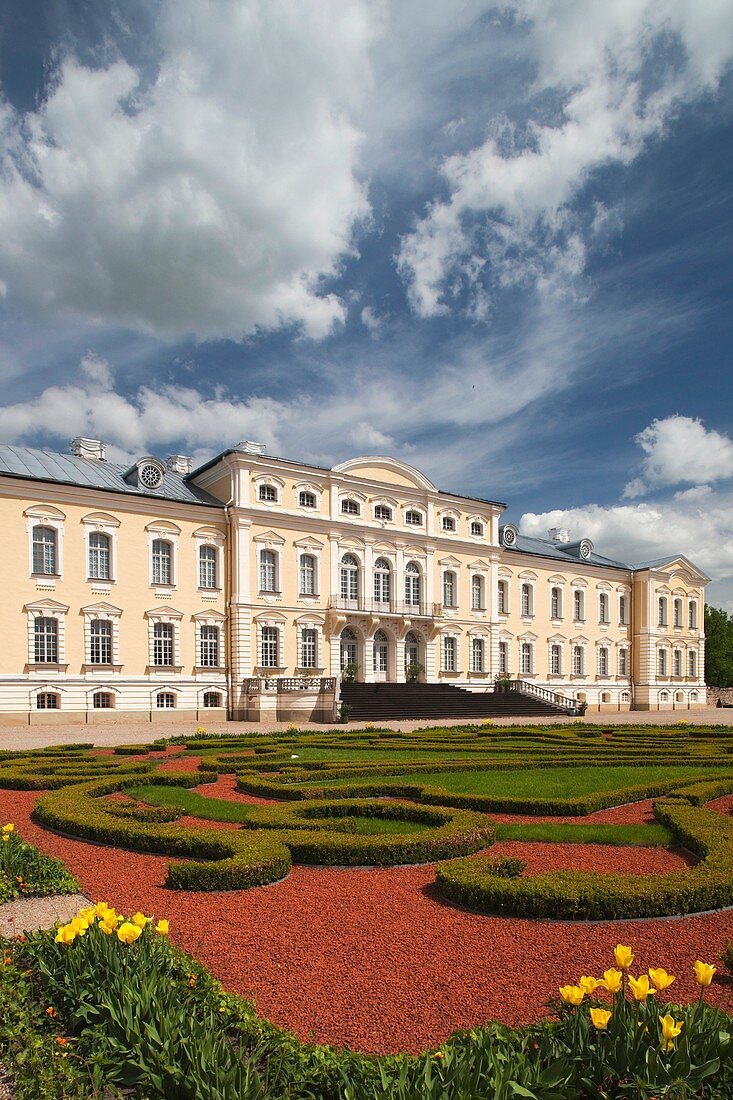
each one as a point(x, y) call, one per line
point(607, 80)
point(680, 450)
point(212, 198)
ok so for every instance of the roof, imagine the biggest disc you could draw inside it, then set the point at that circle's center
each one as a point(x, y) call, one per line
point(546, 548)
point(66, 469)
point(325, 469)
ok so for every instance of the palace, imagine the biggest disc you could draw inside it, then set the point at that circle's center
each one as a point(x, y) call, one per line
point(243, 588)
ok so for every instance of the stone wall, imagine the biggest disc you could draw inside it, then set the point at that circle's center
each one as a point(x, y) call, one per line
point(726, 694)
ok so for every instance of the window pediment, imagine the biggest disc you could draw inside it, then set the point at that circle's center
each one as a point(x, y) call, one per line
point(47, 605)
point(309, 544)
point(100, 519)
point(43, 512)
point(212, 615)
point(102, 608)
point(449, 561)
point(479, 566)
point(527, 637)
point(270, 538)
point(162, 527)
point(270, 618)
point(163, 612)
point(528, 575)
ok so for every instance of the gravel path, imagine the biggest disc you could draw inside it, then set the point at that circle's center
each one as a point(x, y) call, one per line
point(32, 914)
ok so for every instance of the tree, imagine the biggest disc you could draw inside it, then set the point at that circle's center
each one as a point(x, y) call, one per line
point(718, 647)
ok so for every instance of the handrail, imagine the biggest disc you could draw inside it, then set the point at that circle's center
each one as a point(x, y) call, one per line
point(255, 685)
point(421, 610)
point(555, 698)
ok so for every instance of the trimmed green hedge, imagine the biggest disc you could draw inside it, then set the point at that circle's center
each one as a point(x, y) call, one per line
point(575, 895)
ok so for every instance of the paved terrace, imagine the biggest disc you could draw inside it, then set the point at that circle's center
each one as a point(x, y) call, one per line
point(125, 732)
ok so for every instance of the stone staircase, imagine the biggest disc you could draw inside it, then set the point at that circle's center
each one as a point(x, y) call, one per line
point(387, 702)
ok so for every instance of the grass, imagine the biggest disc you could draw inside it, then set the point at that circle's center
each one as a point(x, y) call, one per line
point(649, 836)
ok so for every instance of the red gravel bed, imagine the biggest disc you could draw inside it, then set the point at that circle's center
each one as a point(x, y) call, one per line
point(374, 958)
point(722, 805)
point(186, 763)
point(541, 857)
point(226, 788)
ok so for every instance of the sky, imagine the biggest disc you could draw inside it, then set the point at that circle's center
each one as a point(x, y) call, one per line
point(493, 240)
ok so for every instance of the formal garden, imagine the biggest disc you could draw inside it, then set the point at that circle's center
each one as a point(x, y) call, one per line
point(465, 912)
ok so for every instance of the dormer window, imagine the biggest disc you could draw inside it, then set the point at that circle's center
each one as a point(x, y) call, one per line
point(307, 499)
point(449, 523)
point(349, 507)
point(413, 518)
point(477, 528)
point(383, 512)
point(268, 494)
point(150, 476)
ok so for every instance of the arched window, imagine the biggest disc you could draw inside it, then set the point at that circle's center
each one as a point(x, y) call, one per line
point(555, 659)
point(603, 613)
point(677, 662)
point(503, 658)
point(308, 648)
point(99, 556)
point(477, 528)
point(578, 605)
point(503, 598)
point(307, 499)
point(527, 608)
point(212, 699)
point(555, 603)
point(412, 584)
point(625, 697)
point(209, 643)
point(603, 661)
point(449, 523)
point(268, 571)
point(267, 493)
point(412, 650)
point(413, 518)
point(449, 589)
point(605, 696)
point(349, 578)
point(381, 652)
point(350, 507)
point(526, 658)
point(100, 642)
point(478, 655)
point(578, 660)
point(307, 575)
point(677, 612)
point(46, 641)
point(103, 700)
point(662, 662)
point(664, 697)
point(207, 567)
point(47, 700)
point(693, 615)
point(449, 655)
point(383, 512)
point(165, 700)
point(270, 645)
point(163, 644)
point(382, 581)
point(692, 663)
point(162, 561)
point(44, 551)
point(662, 603)
point(348, 647)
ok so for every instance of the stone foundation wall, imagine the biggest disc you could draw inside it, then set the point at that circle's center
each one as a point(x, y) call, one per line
point(726, 694)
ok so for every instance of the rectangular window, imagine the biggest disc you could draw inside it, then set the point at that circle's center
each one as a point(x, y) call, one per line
point(622, 610)
point(603, 615)
point(526, 658)
point(307, 575)
point(578, 660)
point(100, 642)
point(693, 616)
point(623, 662)
point(502, 600)
point(603, 661)
point(209, 640)
point(526, 600)
point(555, 603)
point(477, 593)
point(449, 590)
point(46, 641)
point(503, 658)
point(267, 570)
point(270, 654)
point(44, 551)
point(207, 567)
point(449, 654)
point(555, 666)
point(308, 654)
point(163, 644)
point(678, 612)
point(162, 562)
point(662, 611)
point(477, 655)
point(692, 664)
point(578, 606)
point(99, 556)
point(662, 662)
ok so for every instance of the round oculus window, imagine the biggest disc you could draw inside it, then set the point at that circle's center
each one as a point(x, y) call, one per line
point(509, 536)
point(586, 548)
point(150, 476)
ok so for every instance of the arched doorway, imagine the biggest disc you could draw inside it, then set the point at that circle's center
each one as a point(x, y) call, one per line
point(412, 651)
point(349, 648)
point(381, 655)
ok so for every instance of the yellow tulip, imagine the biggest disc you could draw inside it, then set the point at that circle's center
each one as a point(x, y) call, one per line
point(612, 980)
point(6, 838)
point(88, 914)
point(107, 927)
point(572, 994)
point(105, 911)
point(624, 956)
point(9, 828)
point(670, 1031)
point(140, 920)
point(660, 977)
point(600, 1018)
point(588, 985)
point(65, 934)
point(79, 925)
point(128, 933)
point(704, 973)
point(640, 987)
point(162, 928)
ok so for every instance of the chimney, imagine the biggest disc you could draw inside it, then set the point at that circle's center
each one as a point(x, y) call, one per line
point(559, 534)
point(88, 448)
point(251, 447)
point(180, 464)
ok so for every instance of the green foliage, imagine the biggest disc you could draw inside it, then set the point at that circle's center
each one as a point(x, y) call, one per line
point(548, 832)
point(26, 871)
point(718, 647)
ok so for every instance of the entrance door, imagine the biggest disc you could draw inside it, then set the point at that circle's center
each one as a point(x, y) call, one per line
point(381, 655)
point(412, 651)
point(348, 648)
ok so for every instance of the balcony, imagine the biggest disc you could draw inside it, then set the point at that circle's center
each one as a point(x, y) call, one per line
point(398, 608)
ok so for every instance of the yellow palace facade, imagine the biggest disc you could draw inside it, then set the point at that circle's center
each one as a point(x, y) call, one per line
point(243, 588)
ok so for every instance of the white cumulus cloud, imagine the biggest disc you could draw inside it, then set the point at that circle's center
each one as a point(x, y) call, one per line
point(212, 199)
point(680, 450)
